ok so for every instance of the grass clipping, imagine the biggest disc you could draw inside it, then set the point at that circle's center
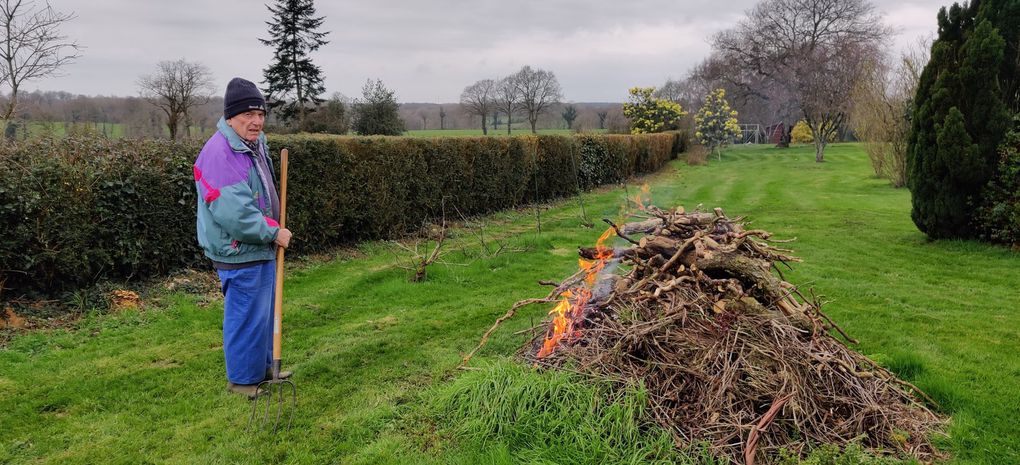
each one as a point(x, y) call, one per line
point(729, 353)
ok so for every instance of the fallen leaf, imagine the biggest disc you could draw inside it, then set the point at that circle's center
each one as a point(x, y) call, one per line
point(12, 320)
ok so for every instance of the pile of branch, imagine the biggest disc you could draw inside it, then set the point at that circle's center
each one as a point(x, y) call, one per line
point(730, 353)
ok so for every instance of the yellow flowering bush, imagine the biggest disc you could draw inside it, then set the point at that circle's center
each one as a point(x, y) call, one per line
point(801, 134)
point(648, 114)
point(715, 122)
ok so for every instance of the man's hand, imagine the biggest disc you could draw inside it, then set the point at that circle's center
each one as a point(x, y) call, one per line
point(283, 238)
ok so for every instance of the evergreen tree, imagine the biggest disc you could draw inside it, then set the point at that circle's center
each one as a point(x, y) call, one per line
point(377, 113)
point(956, 164)
point(293, 82)
point(963, 91)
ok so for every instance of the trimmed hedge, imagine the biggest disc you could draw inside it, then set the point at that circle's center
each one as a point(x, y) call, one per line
point(85, 209)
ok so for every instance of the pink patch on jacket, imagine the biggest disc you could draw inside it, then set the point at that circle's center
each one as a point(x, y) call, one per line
point(211, 193)
point(272, 223)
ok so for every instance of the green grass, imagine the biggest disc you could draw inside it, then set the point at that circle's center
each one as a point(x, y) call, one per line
point(374, 354)
point(60, 129)
point(508, 413)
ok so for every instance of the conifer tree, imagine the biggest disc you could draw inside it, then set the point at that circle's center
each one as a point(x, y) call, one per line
point(293, 82)
point(377, 112)
point(965, 90)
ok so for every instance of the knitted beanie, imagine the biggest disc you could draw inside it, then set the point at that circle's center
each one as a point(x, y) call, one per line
point(241, 96)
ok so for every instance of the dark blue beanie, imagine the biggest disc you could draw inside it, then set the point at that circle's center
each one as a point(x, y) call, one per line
point(241, 96)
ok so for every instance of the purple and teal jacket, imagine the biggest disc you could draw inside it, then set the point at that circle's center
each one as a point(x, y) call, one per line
point(236, 220)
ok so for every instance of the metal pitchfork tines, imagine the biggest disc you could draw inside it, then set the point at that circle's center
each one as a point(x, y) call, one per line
point(268, 413)
point(276, 390)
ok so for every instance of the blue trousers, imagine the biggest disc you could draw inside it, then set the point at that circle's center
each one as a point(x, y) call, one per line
point(248, 321)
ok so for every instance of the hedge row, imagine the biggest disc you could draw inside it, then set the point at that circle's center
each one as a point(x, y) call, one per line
point(80, 210)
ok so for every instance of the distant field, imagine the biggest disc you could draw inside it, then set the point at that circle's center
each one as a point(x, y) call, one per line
point(118, 130)
point(478, 132)
point(62, 129)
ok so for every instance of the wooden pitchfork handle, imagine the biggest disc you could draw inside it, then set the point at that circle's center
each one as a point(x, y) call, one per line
point(278, 300)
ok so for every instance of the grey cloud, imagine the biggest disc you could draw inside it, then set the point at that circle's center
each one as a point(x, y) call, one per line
point(425, 51)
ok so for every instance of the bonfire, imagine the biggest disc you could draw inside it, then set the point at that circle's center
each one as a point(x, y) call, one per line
point(696, 310)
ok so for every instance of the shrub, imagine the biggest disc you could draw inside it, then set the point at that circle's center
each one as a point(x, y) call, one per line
point(998, 217)
point(801, 133)
point(716, 122)
point(648, 114)
point(697, 155)
point(377, 113)
point(80, 210)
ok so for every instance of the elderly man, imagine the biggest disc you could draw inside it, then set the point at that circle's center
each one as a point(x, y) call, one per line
point(238, 213)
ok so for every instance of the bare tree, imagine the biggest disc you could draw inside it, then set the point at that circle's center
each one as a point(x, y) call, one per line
point(539, 90)
point(881, 115)
point(32, 46)
point(756, 98)
point(508, 98)
point(676, 91)
point(442, 118)
point(815, 49)
point(175, 88)
point(479, 99)
point(602, 118)
point(569, 115)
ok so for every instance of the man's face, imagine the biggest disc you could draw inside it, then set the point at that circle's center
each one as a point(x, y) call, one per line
point(248, 125)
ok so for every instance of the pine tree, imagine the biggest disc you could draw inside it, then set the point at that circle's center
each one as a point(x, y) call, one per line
point(963, 91)
point(293, 82)
point(378, 112)
point(956, 165)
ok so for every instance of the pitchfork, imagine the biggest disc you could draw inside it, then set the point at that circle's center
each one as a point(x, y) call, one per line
point(276, 390)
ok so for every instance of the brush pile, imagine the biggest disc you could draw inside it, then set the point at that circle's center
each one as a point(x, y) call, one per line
point(697, 310)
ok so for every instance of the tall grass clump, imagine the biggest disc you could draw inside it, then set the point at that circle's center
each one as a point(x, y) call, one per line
point(549, 417)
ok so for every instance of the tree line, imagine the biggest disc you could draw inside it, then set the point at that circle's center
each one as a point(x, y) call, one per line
point(529, 92)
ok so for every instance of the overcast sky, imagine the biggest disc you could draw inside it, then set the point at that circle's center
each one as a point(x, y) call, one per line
point(426, 51)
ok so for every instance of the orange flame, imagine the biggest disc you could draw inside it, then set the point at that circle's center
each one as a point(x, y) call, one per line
point(569, 312)
point(643, 197)
point(567, 315)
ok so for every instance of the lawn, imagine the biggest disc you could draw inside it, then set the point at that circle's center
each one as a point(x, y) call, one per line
point(374, 355)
